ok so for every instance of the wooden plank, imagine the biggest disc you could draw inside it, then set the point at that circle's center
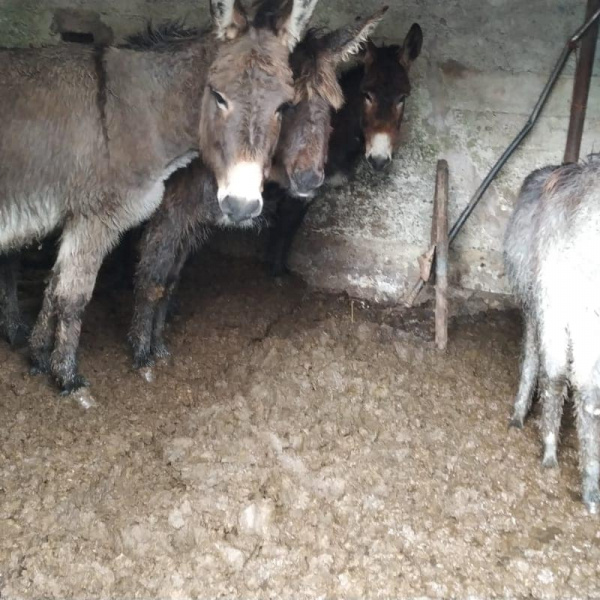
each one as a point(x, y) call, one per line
point(440, 220)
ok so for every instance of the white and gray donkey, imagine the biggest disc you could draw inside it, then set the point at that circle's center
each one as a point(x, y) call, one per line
point(552, 258)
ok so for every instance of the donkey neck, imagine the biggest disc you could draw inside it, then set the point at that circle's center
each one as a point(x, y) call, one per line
point(351, 81)
point(153, 100)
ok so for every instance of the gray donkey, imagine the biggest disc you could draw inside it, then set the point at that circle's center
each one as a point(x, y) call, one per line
point(88, 137)
point(552, 260)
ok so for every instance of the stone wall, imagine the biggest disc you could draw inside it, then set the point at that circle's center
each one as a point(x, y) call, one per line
point(481, 71)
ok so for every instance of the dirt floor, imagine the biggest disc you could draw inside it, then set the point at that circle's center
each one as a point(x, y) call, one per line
point(296, 447)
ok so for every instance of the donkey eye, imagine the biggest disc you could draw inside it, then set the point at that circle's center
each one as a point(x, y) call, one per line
point(285, 107)
point(368, 97)
point(220, 100)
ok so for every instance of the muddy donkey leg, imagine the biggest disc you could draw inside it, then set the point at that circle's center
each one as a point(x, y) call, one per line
point(84, 245)
point(159, 347)
point(289, 217)
point(41, 340)
point(587, 404)
point(554, 368)
point(10, 318)
point(530, 365)
point(159, 250)
point(586, 388)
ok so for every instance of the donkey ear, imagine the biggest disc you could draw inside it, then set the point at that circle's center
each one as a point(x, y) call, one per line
point(346, 42)
point(229, 18)
point(371, 52)
point(411, 47)
point(293, 21)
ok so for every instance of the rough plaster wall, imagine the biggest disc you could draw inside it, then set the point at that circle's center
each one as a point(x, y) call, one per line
point(482, 68)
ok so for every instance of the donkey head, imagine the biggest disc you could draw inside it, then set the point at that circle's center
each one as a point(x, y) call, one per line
point(385, 88)
point(303, 145)
point(249, 85)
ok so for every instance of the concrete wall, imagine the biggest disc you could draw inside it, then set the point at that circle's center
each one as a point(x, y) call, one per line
point(482, 69)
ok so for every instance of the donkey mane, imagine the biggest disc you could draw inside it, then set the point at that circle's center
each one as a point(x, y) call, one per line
point(161, 36)
point(310, 77)
point(266, 13)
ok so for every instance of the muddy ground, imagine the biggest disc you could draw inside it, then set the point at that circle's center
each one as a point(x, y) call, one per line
point(295, 447)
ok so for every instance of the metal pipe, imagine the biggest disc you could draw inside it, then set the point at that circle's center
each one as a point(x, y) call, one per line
point(581, 87)
point(466, 213)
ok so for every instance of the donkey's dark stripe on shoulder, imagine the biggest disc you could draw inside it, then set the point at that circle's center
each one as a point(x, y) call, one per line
point(162, 35)
point(101, 95)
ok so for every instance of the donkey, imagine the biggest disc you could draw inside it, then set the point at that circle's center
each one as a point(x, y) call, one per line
point(88, 137)
point(190, 208)
point(552, 264)
point(368, 124)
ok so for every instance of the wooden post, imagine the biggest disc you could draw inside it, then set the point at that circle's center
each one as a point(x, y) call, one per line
point(581, 86)
point(440, 221)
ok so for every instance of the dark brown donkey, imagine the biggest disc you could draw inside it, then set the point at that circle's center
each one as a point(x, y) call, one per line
point(368, 124)
point(87, 138)
point(190, 206)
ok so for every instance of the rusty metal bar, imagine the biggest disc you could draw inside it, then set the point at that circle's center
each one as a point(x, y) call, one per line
point(466, 213)
point(441, 255)
point(581, 86)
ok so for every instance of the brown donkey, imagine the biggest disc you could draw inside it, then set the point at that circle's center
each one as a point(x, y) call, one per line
point(87, 138)
point(368, 124)
point(190, 206)
point(376, 93)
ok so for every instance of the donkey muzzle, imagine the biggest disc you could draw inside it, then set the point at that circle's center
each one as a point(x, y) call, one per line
point(303, 183)
point(240, 209)
point(379, 163)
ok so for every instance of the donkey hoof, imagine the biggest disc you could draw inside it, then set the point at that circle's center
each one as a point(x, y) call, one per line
point(549, 461)
point(72, 385)
point(143, 360)
point(516, 423)
point(277, 271)
point(18, 335)
point(40, 364)
point(591, 498)
point(160, 350)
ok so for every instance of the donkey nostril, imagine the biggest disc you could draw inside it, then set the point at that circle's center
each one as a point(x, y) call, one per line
point(307, 181)
point(240, 209)
point(254, 208)
point(379, 162)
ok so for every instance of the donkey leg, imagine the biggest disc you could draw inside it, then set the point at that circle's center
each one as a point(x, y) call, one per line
point(158, 255)
point(159, 347)
point(289, 217)
point(41, 340)
point(146, 301)
point(10, 317)
point(587, 405)
point(530, 364)
point(292, 230)
point(554, 345)
point(585, 377)
point(83, 247)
